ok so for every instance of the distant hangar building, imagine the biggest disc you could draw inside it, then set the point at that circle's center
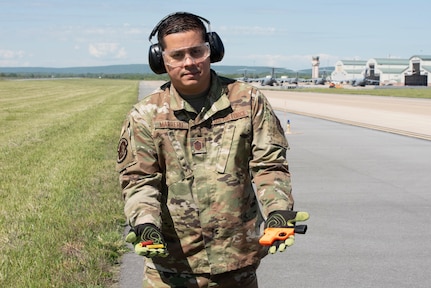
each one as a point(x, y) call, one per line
point(387, 71)
point(419, 71)
point(347, 70)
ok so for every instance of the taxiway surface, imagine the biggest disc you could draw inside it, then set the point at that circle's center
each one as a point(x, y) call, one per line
point(367, 191)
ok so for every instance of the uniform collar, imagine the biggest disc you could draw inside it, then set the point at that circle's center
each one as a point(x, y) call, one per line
point(217, 97)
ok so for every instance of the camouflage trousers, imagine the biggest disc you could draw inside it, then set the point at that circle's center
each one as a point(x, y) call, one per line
point(244, 278)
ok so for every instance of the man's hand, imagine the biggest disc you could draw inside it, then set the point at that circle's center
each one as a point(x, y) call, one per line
point(147, 240)
point(284, 219)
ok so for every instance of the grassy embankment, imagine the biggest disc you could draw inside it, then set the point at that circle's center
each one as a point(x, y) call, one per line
point(61, 210)
point(409, 92)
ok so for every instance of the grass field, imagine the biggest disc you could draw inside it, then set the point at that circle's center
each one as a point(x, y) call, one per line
point(61, 212)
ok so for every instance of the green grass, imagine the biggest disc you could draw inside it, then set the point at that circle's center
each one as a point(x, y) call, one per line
point(61, 211)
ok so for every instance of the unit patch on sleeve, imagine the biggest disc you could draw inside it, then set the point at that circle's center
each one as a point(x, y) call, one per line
point(122, 150)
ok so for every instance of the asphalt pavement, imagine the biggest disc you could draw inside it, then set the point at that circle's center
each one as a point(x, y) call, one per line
point(369, 197)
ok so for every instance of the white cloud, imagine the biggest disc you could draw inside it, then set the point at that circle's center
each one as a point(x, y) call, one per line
point(11, 54)
point(100, 50)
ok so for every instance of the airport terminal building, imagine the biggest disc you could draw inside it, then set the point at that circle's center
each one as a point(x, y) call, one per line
point(385, 71)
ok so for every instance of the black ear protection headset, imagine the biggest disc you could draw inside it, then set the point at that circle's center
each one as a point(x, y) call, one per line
point(155, 58)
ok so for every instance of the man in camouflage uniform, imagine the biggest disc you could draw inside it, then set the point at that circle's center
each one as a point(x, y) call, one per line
point(187, 157)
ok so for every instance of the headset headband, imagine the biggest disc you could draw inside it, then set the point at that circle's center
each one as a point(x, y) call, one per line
point(156, 28)
point(155, 53)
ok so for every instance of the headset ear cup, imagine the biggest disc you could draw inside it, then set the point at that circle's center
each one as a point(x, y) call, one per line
point(155, 59)
point(216, 45)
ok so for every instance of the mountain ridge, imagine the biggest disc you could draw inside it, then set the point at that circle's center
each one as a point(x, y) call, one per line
point(145, 69)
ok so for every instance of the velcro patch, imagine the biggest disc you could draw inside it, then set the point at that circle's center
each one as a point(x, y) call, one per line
point(122, 150)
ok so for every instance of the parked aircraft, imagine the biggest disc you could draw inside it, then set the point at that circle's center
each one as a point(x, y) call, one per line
point(245, 78)
point(287, 80)
point(269, 80)
point(364, 81)
point(320, 81)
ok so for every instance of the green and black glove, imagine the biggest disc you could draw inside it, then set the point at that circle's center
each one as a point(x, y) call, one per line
point(285, 219)
point(148, 241)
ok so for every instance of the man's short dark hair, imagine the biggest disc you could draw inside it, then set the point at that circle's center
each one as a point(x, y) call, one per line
point(181, 22)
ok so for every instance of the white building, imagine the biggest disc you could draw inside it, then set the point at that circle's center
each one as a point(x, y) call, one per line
point(386, 71)
point(418, 71)
point(348, 70)
point(389, 71)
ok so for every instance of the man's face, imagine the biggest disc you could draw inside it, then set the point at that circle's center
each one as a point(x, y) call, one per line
point(187, 62)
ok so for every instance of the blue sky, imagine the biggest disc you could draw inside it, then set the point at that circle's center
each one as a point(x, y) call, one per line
point(285, 34)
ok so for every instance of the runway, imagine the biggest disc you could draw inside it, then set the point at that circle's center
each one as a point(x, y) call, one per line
point(368, 194)
point(367, 191)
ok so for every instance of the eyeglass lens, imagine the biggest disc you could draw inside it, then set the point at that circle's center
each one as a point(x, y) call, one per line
point(176, 58)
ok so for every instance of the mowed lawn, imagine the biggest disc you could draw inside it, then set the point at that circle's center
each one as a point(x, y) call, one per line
point(61, 215)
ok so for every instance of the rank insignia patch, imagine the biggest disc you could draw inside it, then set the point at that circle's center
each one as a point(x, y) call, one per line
point(198, 145)
point(122, 150)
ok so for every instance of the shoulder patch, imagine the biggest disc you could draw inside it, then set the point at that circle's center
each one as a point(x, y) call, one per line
point(122, 150)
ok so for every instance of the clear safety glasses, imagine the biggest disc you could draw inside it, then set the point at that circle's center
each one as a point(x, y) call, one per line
point(176, 58)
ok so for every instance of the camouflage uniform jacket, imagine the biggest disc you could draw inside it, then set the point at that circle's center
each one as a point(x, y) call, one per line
point(191, 175)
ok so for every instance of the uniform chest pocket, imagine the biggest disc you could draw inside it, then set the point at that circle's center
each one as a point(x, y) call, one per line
point(235, 142)
point(170, 138)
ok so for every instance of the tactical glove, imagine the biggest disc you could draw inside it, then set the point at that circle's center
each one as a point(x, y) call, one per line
point(285, 219)
point(147, 240)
